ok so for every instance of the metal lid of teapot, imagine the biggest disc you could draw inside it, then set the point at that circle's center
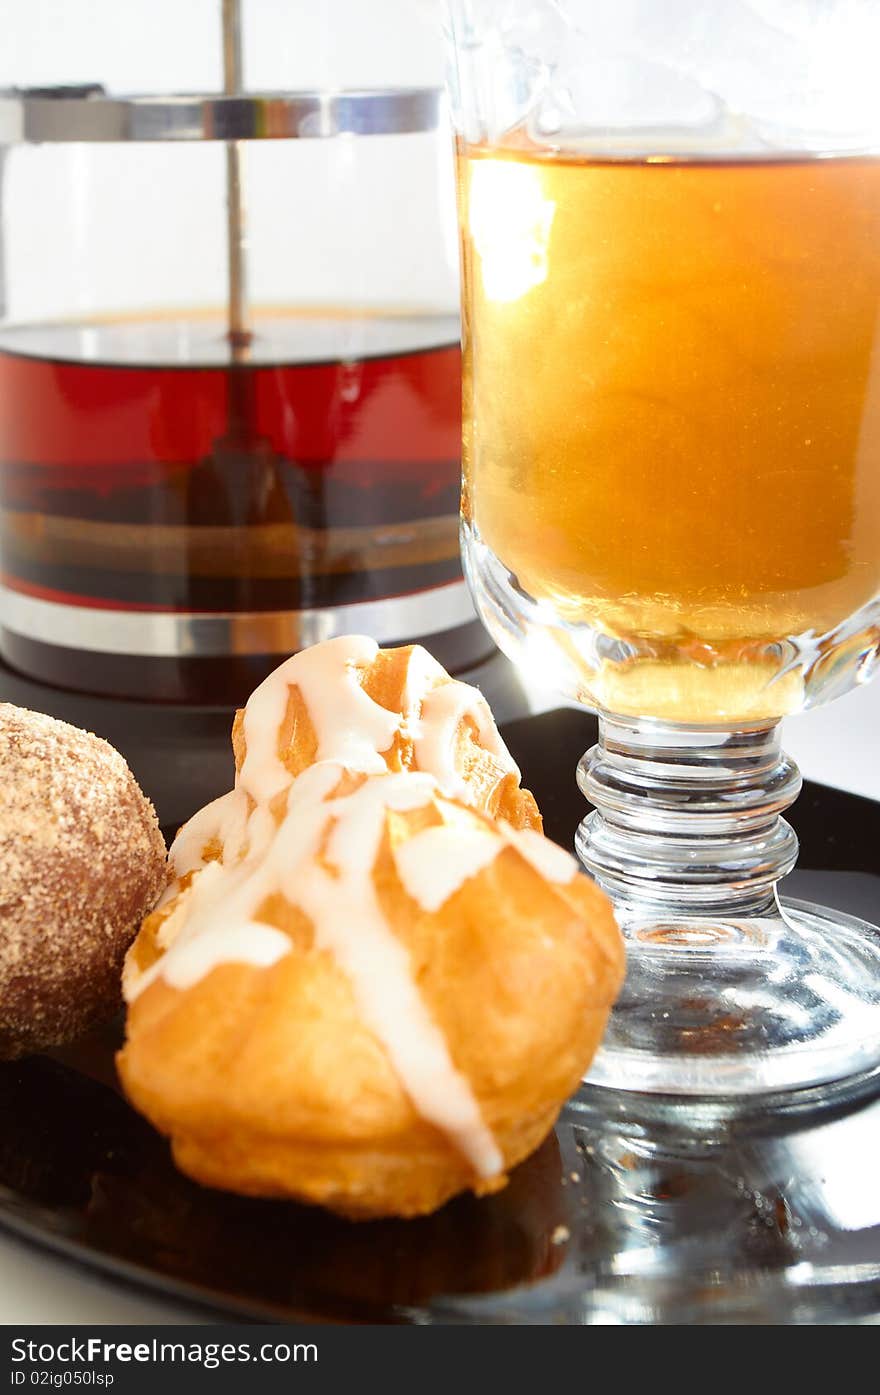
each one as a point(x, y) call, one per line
point(88, 113)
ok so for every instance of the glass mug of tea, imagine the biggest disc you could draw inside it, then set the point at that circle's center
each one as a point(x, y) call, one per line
point(671, 505)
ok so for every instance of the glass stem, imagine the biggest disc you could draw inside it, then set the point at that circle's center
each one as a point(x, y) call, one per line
point(687, 818)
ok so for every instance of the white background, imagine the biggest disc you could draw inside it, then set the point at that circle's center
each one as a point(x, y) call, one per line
point(168, 45)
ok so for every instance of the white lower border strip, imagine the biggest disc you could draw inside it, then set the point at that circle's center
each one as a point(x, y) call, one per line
point(201, 634)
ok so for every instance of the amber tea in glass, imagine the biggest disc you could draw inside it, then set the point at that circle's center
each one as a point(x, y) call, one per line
point(671, 367)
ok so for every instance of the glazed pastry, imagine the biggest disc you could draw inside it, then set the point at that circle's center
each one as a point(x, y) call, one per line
point(380, 998)
point(377, 710)
point(373, 710)
point(81, 862)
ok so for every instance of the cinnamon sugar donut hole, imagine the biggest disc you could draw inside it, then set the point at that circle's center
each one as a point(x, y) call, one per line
point(82, 860)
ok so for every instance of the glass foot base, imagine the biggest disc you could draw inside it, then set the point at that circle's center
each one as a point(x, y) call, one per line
point(740, 1008)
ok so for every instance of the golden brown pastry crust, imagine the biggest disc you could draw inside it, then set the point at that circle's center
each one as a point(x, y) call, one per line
point(269, 1083)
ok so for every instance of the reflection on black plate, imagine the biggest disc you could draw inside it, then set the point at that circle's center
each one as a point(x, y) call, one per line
point(620, 1217)
point(79, 1165)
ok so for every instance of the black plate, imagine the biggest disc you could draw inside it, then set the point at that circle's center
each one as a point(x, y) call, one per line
point(620, 1216)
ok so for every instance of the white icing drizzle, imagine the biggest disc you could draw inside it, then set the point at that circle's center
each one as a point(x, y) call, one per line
point(434, 864)
point(443, 709)
point(548, 858)
point(227, 820)
point(259, 830)
point(348, 921)
point(233, 832)
point(248, 942)
point(422, 673)
point(349, 726)
point(186, 851)
point(172, 924)
point(217, 928)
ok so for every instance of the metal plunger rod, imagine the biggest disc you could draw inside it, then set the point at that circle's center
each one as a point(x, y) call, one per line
point(233, 85)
